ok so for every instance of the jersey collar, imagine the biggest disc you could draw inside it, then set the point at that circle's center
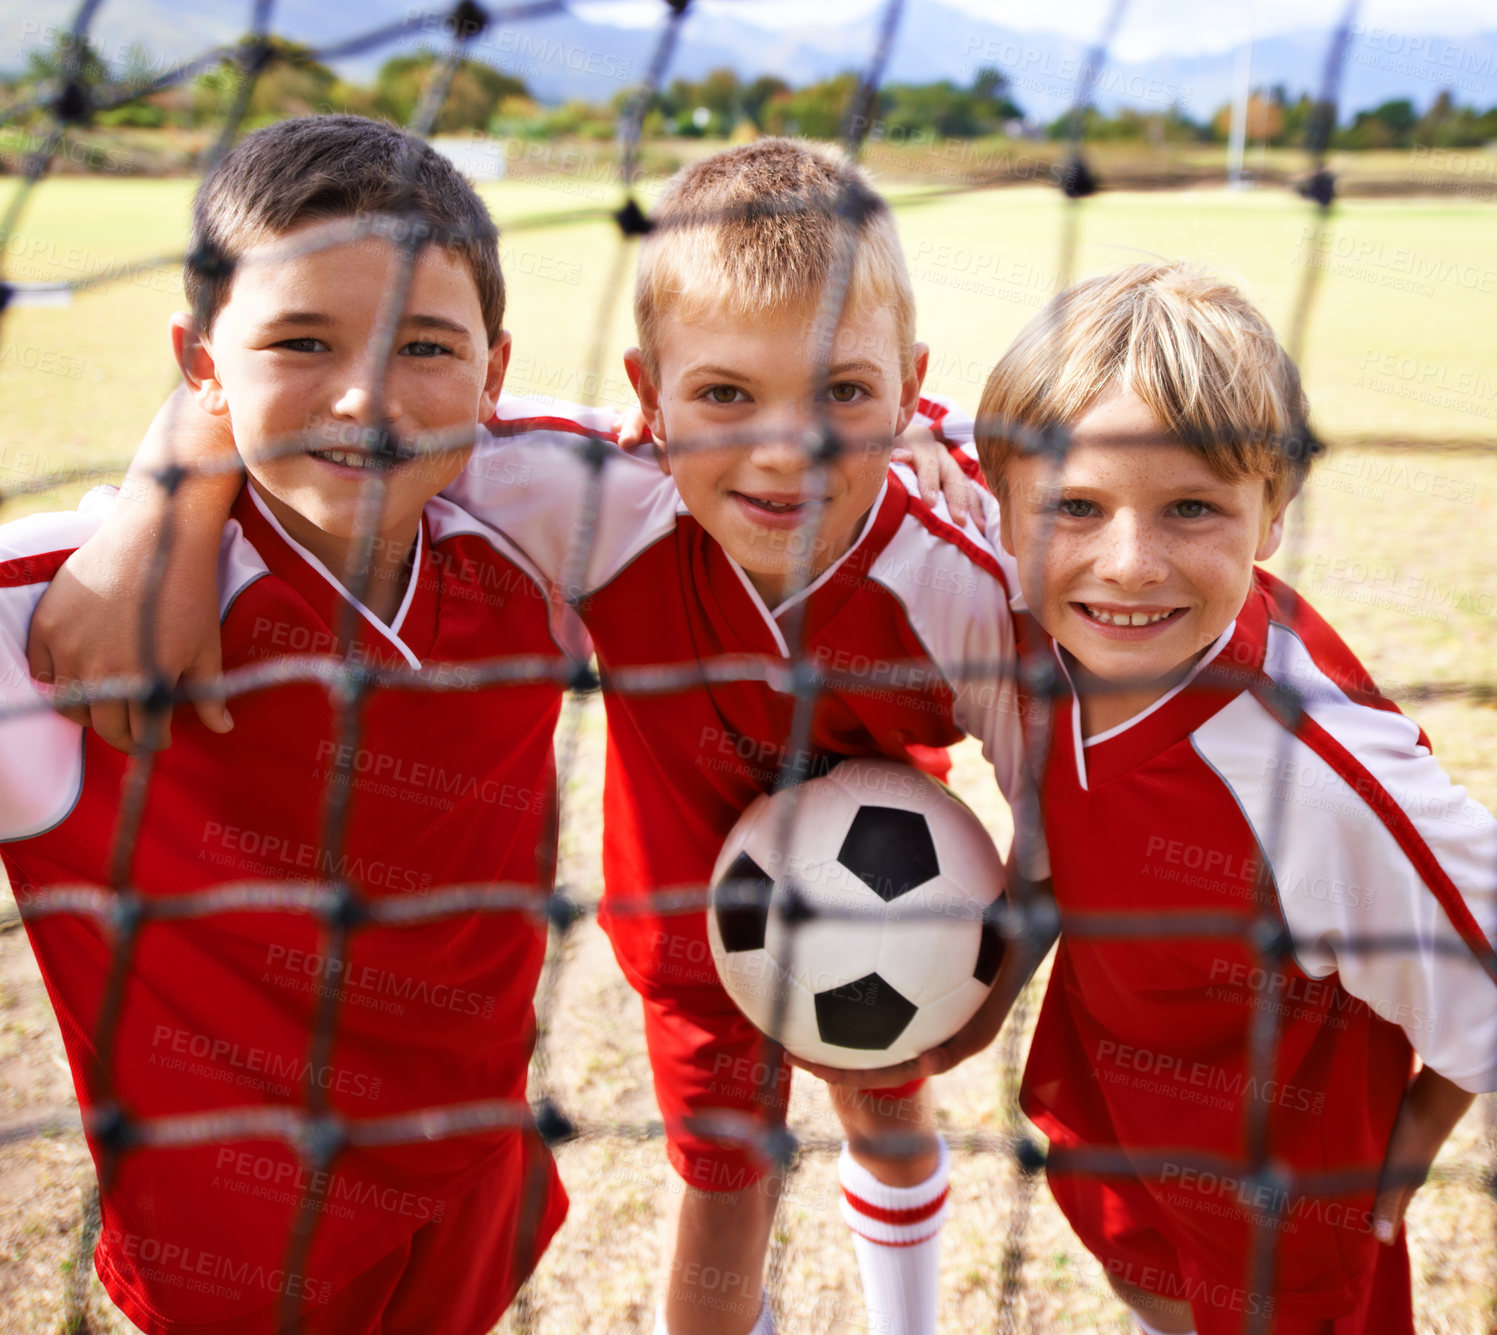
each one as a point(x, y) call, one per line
point(409, 636)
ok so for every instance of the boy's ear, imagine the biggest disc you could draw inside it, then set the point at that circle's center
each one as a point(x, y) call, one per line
point(493, 381)
point(648, 392)
point(1006, 522)
point(195, 357)
point(909, 389)
point(1273, 532)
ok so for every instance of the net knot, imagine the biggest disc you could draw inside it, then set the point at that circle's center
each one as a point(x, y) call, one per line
point(344, 909)
point(169, 477)
point(1029, 1156)
point(73, 104)
point(125, 914)
point(595, 452)
point(632, 220)
point(207, 261)
point(321, 1138)
point(1321, 187)
point(1271, 940)
point(1039, 675)
point(791, 906)
point(552, 1125)
point(561, 910)
point(467, 20)
point(584, 681)
point(255, 53)
point(110, 1127)
point(1077, 179)
point(158, 697)
point(780, 1148)
point(805, 680)
point(823, 447)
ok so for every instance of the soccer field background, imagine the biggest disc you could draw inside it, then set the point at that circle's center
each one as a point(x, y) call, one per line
point(1393, 544)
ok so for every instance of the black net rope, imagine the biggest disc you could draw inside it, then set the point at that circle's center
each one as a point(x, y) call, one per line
point(312, 1128)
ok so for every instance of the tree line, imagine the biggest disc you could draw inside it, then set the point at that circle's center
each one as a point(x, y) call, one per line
point(722, 103)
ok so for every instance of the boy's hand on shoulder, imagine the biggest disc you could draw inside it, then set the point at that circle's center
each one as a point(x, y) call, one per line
point(1432, 1105)
point(937, 473)
point(90, 628)
point(91, 624)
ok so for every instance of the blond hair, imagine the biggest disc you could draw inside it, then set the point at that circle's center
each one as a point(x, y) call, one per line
point(1187, 343)
point(757, 230)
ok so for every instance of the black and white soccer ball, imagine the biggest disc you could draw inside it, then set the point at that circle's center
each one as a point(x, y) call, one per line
point(870, 935)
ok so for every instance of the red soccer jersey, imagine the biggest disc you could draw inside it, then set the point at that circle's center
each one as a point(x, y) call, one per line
point(1143, 1042)
point(443, 787)
point(915, 598)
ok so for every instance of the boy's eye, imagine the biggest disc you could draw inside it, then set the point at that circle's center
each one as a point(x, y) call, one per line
point(1192, 509)
point(1073, 508)
point(302, 345)
point(844, 391)
point(424, 348)
point(725, 394)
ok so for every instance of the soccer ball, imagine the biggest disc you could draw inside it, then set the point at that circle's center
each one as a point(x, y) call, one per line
point(852, 917)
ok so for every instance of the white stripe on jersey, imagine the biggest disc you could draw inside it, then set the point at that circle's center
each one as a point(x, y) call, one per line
point(535, 489)
point(1341, 873)
point(961, 611)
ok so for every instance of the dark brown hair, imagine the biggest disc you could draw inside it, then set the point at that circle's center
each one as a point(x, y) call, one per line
point(314, 168)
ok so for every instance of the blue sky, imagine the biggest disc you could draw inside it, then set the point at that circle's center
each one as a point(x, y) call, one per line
point(1150, 27)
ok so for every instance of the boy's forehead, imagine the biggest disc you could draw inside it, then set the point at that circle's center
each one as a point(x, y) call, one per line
point(695, 332)
point(358, 267)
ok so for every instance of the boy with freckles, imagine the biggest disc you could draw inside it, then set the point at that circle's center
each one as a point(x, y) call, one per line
point(1219, 759)
point(740, 546)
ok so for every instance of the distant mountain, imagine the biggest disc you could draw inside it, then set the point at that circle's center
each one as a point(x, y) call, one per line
point(563, 56)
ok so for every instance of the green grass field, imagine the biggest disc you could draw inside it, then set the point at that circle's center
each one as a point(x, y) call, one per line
point(1393, 543)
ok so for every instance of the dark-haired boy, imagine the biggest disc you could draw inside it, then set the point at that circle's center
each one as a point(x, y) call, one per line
point(298, 238)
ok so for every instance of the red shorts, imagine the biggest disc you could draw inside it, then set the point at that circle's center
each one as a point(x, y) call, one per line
point(1121, 1224)
point(456, 1274)
point(721, 1086)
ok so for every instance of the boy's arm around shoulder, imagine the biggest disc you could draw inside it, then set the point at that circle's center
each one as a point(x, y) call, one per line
point(551, 478)
point(99, 615)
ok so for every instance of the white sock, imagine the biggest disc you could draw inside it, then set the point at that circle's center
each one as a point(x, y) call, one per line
point(896, 1233)
point(763, 1326)
point(1147, 1328)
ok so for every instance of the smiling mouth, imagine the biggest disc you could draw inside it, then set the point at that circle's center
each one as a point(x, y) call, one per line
point(1104, 617)
point(363, 459)
point(771, 507)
